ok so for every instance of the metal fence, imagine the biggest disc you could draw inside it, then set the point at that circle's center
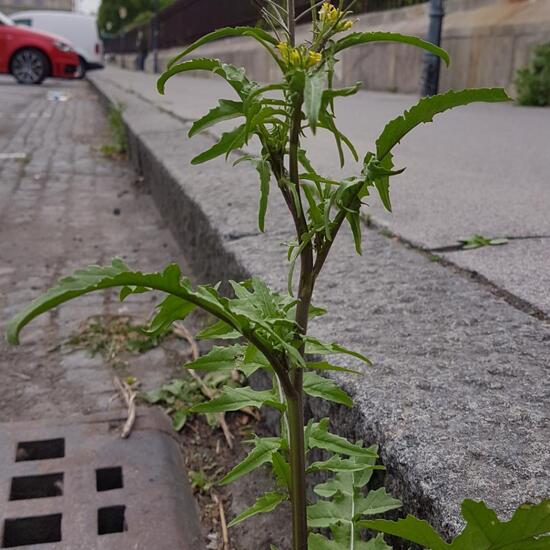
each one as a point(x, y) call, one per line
point(186, 20)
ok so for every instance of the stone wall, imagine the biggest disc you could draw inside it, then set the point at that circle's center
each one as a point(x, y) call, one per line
point(488, 41)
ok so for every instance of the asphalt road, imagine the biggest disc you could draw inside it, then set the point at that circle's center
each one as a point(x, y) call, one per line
point(482, 169)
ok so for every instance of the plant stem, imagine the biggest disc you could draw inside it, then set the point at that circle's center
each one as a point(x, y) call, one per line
point(295, 411)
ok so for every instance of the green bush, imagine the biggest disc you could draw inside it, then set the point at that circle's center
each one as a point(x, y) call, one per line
point(533, 83)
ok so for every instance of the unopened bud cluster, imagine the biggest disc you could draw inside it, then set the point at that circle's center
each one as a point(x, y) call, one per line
point(299, 57)
point(329, 16)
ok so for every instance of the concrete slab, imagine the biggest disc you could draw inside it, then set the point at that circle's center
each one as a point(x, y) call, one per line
point(457, 395)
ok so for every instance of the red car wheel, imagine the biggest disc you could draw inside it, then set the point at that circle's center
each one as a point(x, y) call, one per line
point(30, 66)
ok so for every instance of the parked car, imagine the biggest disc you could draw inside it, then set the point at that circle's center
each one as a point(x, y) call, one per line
point(79, 29)
point(31, 56)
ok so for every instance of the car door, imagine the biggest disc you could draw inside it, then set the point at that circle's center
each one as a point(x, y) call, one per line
point(6, 38)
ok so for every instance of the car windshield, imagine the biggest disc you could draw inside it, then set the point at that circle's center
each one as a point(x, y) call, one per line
point(5, 20)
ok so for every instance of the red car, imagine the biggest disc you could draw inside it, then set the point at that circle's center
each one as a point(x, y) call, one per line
point(31, 56)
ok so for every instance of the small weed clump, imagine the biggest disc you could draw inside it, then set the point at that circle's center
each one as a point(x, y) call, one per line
point(533, 83)
point(119, 147)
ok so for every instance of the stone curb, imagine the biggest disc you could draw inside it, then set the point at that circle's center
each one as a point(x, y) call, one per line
point(455, 401)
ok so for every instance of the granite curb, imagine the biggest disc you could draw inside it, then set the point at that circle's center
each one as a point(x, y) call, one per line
point(458, 398)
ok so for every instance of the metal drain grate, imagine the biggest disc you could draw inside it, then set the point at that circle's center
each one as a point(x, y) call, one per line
point(78, 486)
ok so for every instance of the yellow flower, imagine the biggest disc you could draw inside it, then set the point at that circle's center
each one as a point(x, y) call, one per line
point(328, 13)
point(345, 25)
point(313, 58)
point(284, 50)
point(295, 57)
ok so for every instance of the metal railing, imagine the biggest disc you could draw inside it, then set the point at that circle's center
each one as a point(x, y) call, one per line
point(186, 20)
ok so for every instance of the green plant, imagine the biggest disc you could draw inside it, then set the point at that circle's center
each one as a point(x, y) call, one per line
point(273, 327)
point(118, 131)
point(113, 335)
point(479, 241)
point(533, 83)
point(180, 395)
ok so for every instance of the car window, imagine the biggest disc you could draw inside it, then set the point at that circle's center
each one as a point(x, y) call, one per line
point(26, 22)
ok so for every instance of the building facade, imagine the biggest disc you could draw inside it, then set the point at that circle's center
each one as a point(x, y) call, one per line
point(11, 6)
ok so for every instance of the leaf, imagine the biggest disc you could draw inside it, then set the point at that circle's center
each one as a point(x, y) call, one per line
point(321, 438)
point(169, 310)
point(218, 358)
point(227, 143)
point(354, 220)
point(266, 503)
point(234, 76)
point(314, 346)
point(425, 110)
point(94, 278)
point(323, 365)
point(410, 528)
point(262, 166)
point(316, 541)
point(313, 94)
point(378, 502)
point(179, 418)
point(319, 542)
point(226, 110)
point(219, 330)
point(357, 38)
point(319, 386)
point(234, 399)
point(529, 529)
point(337, 464)
point(262, 453)
point(281, 469)
point(253, 32)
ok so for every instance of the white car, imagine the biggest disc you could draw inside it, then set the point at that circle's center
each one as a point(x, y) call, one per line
point(81, 30)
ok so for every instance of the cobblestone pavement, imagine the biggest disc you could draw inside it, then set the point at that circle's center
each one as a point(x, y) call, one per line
point(65, 205)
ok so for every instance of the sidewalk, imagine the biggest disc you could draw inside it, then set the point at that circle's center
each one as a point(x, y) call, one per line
point(482, 169)
point(457, 397)
point(64, 207)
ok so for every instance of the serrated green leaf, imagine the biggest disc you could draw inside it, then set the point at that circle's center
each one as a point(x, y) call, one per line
point(219, 330)
point(234, 76)
point(529, 529)
point(323, 365)
point(261, 454)
point(316, 541)
point(377, 502)
point(266, 503)
point(316, 347)
point(410, 528)
point(234, 399)
point(425, 110)
point(313, 95)
point(226, 110)
point(171, 309)
point(319, 386)
point(94, 278)
point(354, 220)
point(319, 542)
point(337, 464)
point(218, 358)
point(227, 143)
point(179, 418)
point(281, 469)
point(357, 38)
point(321, 438)
point(265, 175)
point(253, 32)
